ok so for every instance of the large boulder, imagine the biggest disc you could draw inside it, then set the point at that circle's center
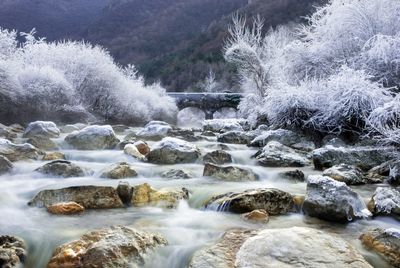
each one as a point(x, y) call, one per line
point(44, 129)
point(385, 201)
point(345, 173)
point(145, 195)
point(64, 169)
point(93, 138)
point(218, 157)
point(12, 251)
point(333, 200)
point(229, 173)
point(288, 247)
point(43, 143)
point(114, 247)
point(362, 157)
point(154, 130)
point(173, 151)
point(275, 154)
point(388, 171)
point(384, 242)
point(90, 197)
point(235, 137)
point(17, 152)
point(283, 136)
point(5, 165)
point(273, 201)
point(120, 170)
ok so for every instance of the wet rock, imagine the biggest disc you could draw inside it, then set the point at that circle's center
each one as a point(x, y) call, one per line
point(283, 136)
point(173, 151)
point(117, 246)
point(362, 157)
point(7, 132)
point(223, 125)
point(273, 201)
point(43, 143)
point(64, 169)
point(258, 215)
point(142, 147)
point(12, 251)
point(345, 173)
point(119, 171)
point(293, 175)
point(67, 208)
point(235, 137)
point(275, 154)
point(90, 197)
point(93, 138)
point(385, 201)
point(5, 165)
point(43, 129)
point(388, 171)
point(154, 130)
point(17, 152)
point(125, 192)
point(218, 157)
point(132, 150)
point(51, 156)
point(208, 134)
point(332, 200)
point(184, 134)
point(145, 195)
point(384, 242)
point(229, 173)
point(176, 174)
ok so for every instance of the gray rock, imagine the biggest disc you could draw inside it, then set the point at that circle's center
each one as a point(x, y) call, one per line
point(283, 136)
point(72, 128)
point(218, 157)
point(385, 201)
point(44, 129)
point(293, 175)
point(8, 132)
point(275, 154)
point(93, 138)
point(117, 246)
point(5, 165)
point(333, 141)
point(273, 201)
point(173, 151)
point(345, 173)
point(388, 171)
point(223, 125)
point(64, 169)
point(176, 174)
point(17, 152)
point(43, 143)
point(120, 170)
point(332, 200)
point(154, 130)
point(235, 137)
point(229, 173)
point(12, 251)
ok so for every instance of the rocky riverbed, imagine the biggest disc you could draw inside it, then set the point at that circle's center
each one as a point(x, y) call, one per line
point(218, 196)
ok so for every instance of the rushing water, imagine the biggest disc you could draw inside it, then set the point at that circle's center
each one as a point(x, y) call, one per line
point(187, 228)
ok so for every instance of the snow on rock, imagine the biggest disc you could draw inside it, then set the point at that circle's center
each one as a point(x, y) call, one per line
point(172, 151)
point(45, 129)
point(224, 125)
point(275, 154)
point(284, 136)
point(345, 173)
point(93, 138)
point(333, 200)
point(154, 130)
point(16, 152)
point(385, 201)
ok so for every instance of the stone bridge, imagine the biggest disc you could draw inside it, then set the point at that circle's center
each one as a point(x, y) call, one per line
point(209, 103)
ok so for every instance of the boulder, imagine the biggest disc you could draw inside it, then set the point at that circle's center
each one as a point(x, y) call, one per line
point(132, 150)
point(51, 156)
point(258, 215)
point(362, 157)
point(385, 201)
point(154, 130)
point(294, 175)
point(120, 170)
point(283, 136)
point(223, 125)
point(43, 143)
point(145, 195)
point(218, 157)
point(5, 165)
point(142, 147)
point(388, 171)
point(67, 208)
point(90, 197)
point(64, 169)
point(348, 174)
point(93, 138)
point(7, 132)
point(235, 137)
point(114, 247)
point(332, 200)
point(229, 173)
point(43, 129)
point(173, 151)
point(273, 201)
point(176, 174)
point(71, 128)
point(275, 154)
point(287, 247)
point(17, 152)
point(12, 251)
point(384, 242)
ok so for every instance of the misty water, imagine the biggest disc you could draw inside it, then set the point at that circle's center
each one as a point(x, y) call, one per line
point(187, 228)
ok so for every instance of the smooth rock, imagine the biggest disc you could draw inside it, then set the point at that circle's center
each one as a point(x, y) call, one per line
point(44, 129)
point(12, 251)
point(218, 157)
point(273, 201)
point(43, 143)
point(93, 138)
point(71, 128)
point(114, 247)
point(173, 151)
point(176, 174)
point(345, 173)
point(145, 195)
point(294, 175)
point(17, 152)
point(51, 156)
point(258, 215)
point(332, 200)
point(385, 201)
point(64, 169)
point(154, 130)
point(67, 208)
point(275, 154)
point(5, 165)
point(229, 173)
point(120, 170)
point(142, 147)
point(235, 137)
point(132, 150)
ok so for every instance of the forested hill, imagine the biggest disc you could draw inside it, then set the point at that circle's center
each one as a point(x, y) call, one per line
point(174, 41)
